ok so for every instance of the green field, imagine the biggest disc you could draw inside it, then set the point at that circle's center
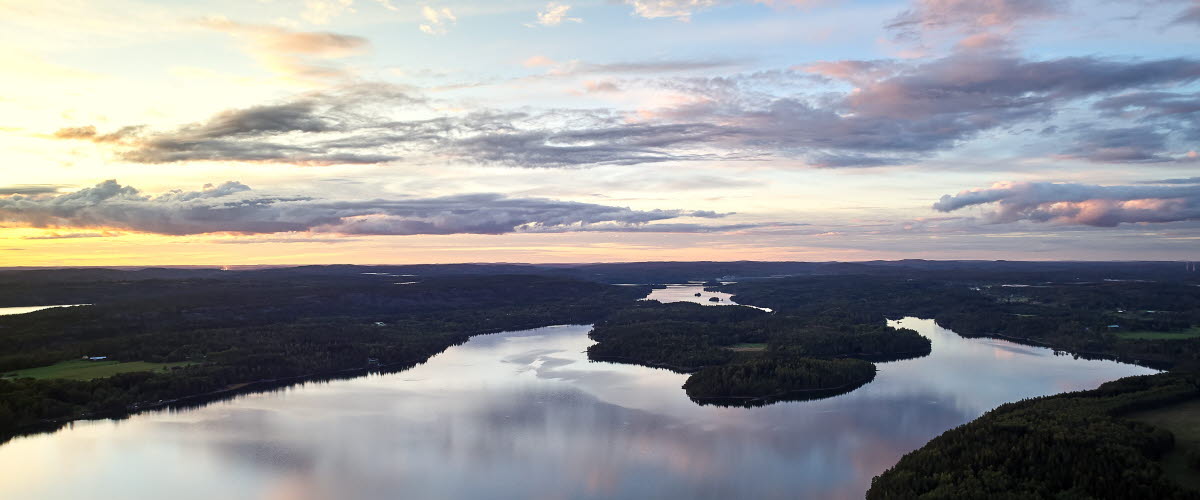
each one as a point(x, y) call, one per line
point(1183, 420)
point(86, 370)
point(748, 347)
point(1190, 333)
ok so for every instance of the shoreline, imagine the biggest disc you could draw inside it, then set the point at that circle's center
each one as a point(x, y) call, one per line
point(240, 388)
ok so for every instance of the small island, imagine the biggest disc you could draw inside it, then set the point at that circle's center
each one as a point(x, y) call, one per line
point(763, 381)
point(714, 299)
point(793, 357)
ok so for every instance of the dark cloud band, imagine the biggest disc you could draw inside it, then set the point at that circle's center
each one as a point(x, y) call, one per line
point(1081, 204)
point(235, 208)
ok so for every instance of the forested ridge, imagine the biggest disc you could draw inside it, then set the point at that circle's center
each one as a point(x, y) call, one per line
point(1074, 445)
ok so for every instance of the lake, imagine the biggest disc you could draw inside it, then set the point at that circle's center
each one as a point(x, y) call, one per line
point(696, 294)
point(525, 415)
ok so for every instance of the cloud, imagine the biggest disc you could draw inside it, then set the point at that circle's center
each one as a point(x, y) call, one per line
point(1150, 104)
point(438, 21)
point(243, 240)
point(387, 4)
point(1191, 15)
point(89, 133)
point(343, 127)
point(997, 80)
point(233, 207)
point(575, 68)
point(971, 16)
point(654, 66)
point(305, 54)
point(677, 9)
point(613, 145)
point(538, 62)
point(323, 11)
point(1188, 180)
point(682, 10)
point(1173, 113)
point(1121, 145)
point(880, 113)
point(1161, 117)
point(314, 129)
point(554, 14)
point(1079, 204)
point(832, 160)
point(658, 228)
point(859, 73)
point(67, 236)
point(30, 189)
point(593, 87)
point(86, 132)
point(904, 109)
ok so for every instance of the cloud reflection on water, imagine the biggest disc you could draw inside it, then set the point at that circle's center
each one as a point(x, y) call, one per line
point(526, 415)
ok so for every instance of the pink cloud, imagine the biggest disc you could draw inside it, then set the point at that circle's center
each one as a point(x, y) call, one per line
point(971, 16)
point(1079, 204)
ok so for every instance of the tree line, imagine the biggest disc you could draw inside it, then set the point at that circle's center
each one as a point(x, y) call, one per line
point(1084, 318)
point(1073, 445)
point(263, 331)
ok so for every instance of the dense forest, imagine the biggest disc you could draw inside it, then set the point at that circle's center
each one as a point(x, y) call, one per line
point(1088, 318)
point(789, 360)
point(259, 330)
point(1074, 445)
point(765, 380)
point(679, 336)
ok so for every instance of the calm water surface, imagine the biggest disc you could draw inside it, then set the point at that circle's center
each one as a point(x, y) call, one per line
point(525, 415)
point(687, 293)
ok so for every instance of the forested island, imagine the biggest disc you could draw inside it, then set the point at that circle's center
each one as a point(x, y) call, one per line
point(765, 380)
point(745, 357)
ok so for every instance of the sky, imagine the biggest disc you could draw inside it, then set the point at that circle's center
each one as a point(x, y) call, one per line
point(389, 131)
